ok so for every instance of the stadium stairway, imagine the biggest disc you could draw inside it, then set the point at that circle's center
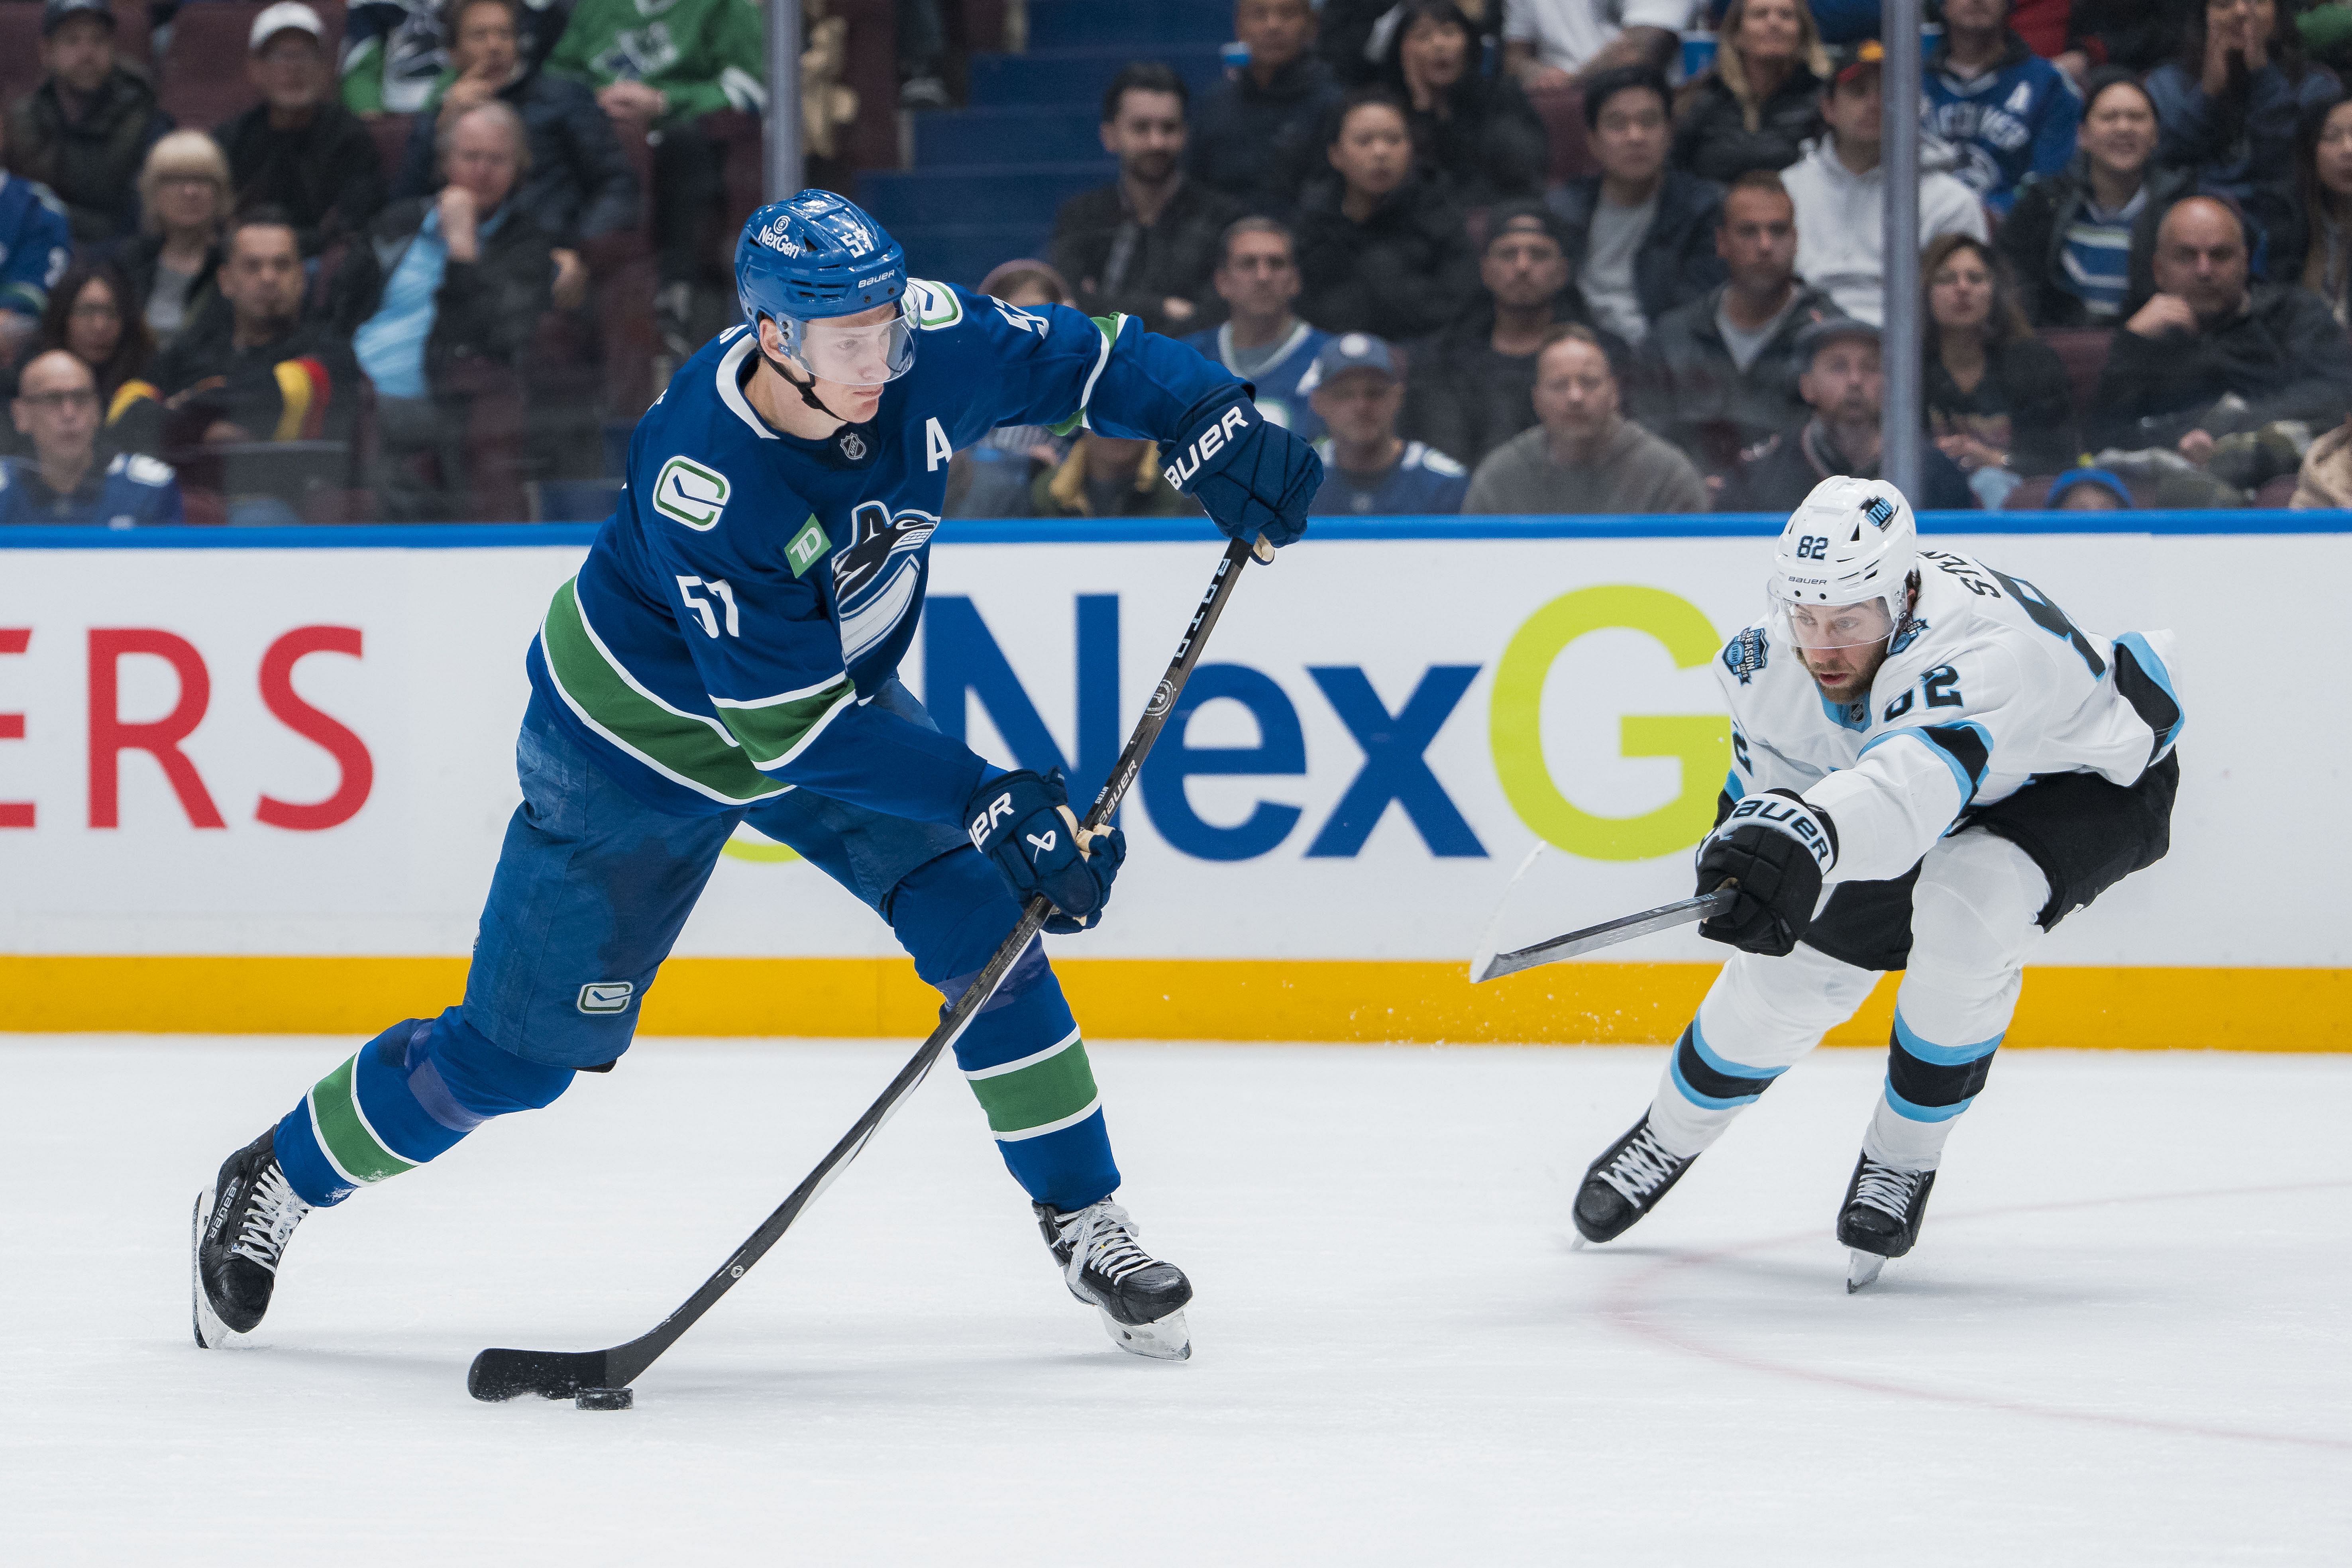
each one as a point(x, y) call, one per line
point(986, 179)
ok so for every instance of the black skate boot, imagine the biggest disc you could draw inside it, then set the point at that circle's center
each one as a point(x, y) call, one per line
point(1883, 1210)
point(1625, 1183)
point(242, 1222)
point(1141, 1298)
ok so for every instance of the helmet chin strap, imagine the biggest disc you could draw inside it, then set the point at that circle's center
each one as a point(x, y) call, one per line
point(807, 389)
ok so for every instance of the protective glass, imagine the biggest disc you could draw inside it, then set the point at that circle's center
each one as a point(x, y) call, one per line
point(1825, 628)
point(864, 355)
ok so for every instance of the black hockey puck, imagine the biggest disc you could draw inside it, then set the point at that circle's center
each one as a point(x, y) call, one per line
point(603, 1399)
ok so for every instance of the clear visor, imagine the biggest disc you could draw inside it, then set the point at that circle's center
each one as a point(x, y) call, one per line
point(1826, 628)
point(862, 355)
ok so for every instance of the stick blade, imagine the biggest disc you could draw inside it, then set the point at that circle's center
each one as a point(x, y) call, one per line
point(498, 1374)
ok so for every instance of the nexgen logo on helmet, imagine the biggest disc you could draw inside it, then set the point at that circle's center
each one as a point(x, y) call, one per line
point(812, 259)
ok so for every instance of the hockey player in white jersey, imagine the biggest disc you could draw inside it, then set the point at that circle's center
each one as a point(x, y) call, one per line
point(1931, 766)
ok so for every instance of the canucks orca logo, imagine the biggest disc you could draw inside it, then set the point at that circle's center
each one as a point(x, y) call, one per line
point(877, 573)
point(1745, 654)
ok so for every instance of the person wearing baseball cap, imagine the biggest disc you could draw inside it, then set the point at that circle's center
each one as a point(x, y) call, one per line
point(1367, 470)
point(298, 149)
point(1844, 387)
point(85, 130)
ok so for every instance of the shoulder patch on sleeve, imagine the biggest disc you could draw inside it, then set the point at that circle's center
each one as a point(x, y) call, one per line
point(936, 305)
point(1745, 655)
point(147, 470)
point(687, 492)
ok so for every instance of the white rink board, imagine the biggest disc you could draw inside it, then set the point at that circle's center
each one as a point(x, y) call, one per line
point(438, 690)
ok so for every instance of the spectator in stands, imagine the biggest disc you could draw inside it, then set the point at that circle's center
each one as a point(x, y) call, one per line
point(2325, 170)
point(1582, 455)
point(2082, 242)
point(1473, 384)
point(1761, 100)
point(2208, 355)
point(1380, 249)
point(184, 199)
point(2135, 36)
point(67, 481)
point(1997, 400)
point(2324, 482)
point(88, 319)
point(1261, 342)
point(1844, 387)
point(1260, 130)
point(1552, 45)
point(256, 372)
point(2003, 109)
point(1367, 470)
point(444, 284)
point(394, 51)
point(581, 186)
point(297, 150)
point(1355, 34)
point(2089, 490)
point(1838, 187)
point(1641, 235)
point(1472, 134)
point(1145, 245)
point(2229, 108)
point(35, 247)
point(663, 70)
point(995, 477)
point(1719, 374)
point(86, 129)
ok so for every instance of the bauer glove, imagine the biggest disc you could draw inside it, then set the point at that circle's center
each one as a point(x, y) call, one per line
point(1024, 825)
point(1774, 848)
point(1249, 474)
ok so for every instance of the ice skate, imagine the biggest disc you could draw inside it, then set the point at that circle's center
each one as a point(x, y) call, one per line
point(1141, 1300)
point(1883, 1210)
point(1625, 1183)
point(242, 1224)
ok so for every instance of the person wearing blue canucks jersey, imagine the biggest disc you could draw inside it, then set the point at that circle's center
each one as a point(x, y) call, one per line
point(35, 247)
point(65, 482)
point(1261, 340)
point(1368, 470)
point(727, 654)
point(2004, 110)
point(1931, 766)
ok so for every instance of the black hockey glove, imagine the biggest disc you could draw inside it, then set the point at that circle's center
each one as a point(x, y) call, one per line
point(1776, 847)
point(1024, 825)
point(1249, 474)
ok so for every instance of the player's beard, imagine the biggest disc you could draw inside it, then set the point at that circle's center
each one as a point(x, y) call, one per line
point(1850, 684)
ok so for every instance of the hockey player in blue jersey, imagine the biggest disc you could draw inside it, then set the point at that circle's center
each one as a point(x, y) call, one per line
point(2004, 110)
point(727, 654)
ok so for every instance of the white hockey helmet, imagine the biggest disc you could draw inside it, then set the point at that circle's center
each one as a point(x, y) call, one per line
point(1852, 541)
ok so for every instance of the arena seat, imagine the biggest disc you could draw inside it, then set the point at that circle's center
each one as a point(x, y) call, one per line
point(20, 51)
point(1562, 111)
point(391, 132)
point(2084, 351)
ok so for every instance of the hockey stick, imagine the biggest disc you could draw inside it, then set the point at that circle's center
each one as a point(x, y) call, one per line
point(1706, 905)
point(562, 1374)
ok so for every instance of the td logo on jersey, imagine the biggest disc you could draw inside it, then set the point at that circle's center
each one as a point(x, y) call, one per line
point(684, 491)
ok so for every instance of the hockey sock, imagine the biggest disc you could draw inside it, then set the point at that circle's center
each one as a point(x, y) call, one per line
point(1927, 1087)
point(407, 1096)
point(1701, 1091)
point(1028, 1069)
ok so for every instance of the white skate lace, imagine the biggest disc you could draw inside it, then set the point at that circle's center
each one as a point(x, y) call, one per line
point(271, 1212)
point(1641, 1168)
point(1103, 1234)
point(1886, 1189)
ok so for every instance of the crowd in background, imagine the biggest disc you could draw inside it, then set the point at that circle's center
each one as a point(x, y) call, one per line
point(2134, 215)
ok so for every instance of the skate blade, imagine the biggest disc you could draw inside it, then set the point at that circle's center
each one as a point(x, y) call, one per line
point(211, 1333)
point(1861, 1268)
point(1167, 1340)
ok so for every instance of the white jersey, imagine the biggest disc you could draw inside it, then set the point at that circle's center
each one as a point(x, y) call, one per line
point(1990, 684)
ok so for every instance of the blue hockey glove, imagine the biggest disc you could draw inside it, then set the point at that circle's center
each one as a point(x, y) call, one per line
point(1024, 825)
point(1775, 847)
point(1249, 474)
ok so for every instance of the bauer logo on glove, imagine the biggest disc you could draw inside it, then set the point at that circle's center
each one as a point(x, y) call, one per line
point(1788, 815)
point(1253, 478)
point(1205, 446)
point(1024, 825)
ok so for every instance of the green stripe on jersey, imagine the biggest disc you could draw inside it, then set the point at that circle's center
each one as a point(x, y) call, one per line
point(694, 751)
point(343, 1131)
point(1039, 1094)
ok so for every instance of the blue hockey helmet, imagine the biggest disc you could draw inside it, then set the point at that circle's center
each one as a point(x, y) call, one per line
point(815, 257)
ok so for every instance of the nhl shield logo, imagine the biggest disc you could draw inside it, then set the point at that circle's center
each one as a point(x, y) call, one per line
point(853, 445)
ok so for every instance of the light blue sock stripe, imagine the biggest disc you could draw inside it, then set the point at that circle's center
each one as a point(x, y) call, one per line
point(1943, 1056)
point(1724, 1065)
point(1910, 1112)
point(1704, 1101)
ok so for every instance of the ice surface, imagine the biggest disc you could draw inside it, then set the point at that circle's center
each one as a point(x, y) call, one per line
point(2123, 1339)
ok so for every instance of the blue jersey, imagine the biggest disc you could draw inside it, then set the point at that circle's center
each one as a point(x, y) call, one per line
point(132, 492)
point(754, 591)
point(1423, 482)
point(2015, 120)
point(34, 245)
point(1283, 384)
